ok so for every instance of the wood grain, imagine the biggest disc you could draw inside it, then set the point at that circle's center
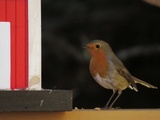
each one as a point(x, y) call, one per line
point(136, 114)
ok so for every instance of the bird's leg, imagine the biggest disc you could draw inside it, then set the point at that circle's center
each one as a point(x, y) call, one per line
point(119, 93)
point(114, 91)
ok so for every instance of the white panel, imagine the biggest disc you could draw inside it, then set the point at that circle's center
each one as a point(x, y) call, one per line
point(34, 7)
point(4, 55)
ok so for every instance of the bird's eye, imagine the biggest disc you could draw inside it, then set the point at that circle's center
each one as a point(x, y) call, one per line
point(98, 46)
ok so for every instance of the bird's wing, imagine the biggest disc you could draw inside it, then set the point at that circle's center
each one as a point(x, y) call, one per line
point(118, 65)
point(124, 72)
point(115, 60)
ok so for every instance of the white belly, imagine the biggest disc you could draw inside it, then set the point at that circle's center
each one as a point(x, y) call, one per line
point(104, 82)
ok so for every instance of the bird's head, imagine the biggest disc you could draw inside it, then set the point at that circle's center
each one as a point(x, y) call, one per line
point(97, 47)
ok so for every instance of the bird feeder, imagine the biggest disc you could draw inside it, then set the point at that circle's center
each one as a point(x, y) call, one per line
point(20, 60)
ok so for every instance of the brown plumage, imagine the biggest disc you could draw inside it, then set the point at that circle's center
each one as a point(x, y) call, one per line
point(109, 71)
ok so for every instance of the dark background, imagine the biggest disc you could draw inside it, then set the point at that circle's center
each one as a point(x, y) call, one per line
point(131, 27)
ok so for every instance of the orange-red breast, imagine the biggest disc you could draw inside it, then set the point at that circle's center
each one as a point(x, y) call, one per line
point(109, 71)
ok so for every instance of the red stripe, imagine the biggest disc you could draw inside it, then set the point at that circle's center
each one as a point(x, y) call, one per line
point(16, 12)
point(11, 18)
point(2, 10)
point(26, 42)
point(21, 56)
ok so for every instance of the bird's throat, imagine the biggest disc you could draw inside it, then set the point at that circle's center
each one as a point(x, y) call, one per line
point(99, 64)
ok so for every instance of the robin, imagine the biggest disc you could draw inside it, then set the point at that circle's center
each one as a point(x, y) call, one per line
point(108, 71)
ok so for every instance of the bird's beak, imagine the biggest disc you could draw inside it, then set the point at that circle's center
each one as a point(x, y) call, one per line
point(84, 47)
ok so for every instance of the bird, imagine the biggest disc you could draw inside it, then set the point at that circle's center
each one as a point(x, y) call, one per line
point(109, 72)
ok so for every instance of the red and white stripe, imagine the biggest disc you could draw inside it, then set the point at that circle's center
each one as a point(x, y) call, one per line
point(20, 44)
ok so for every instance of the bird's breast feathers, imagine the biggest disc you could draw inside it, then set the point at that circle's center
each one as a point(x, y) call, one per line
point(104, 82)
point(99, 65)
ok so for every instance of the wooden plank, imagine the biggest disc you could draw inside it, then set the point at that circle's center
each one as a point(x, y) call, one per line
point(34, 13)
point(134, 114)
point(47, 100)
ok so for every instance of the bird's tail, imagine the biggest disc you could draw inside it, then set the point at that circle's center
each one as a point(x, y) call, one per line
point(143, 83)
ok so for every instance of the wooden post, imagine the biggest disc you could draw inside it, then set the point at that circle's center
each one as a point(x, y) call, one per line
point(34, 7)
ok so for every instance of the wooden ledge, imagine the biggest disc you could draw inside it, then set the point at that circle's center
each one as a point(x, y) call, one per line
point(127, 114)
